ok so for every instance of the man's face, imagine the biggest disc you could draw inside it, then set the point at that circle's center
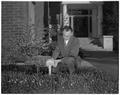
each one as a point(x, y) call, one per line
point(67, 34)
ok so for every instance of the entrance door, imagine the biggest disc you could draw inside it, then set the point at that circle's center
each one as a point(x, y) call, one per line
point(82, 23)
point(80, 26)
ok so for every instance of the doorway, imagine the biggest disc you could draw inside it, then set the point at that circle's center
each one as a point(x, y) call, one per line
point(81, 22)
point(82, 26)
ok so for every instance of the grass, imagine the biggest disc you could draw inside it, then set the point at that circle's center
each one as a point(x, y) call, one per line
point(21, 80)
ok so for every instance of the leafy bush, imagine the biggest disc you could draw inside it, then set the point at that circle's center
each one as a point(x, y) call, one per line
point(96, 41)
point(26, 45)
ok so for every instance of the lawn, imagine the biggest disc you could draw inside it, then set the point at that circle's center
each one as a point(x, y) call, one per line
point(24, 80)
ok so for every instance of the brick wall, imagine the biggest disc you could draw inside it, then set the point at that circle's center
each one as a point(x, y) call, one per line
point(39, 19)
point(14, 27)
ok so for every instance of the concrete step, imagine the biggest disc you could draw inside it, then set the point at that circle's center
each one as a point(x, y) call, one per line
point(84, 40)
point(85, 43)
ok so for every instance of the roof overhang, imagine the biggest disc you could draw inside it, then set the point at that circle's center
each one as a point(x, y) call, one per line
point(76, 2)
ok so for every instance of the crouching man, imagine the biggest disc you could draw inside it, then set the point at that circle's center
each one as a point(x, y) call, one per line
point(66, 52)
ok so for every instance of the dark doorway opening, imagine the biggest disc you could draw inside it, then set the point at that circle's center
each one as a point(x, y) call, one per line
point(54, 9)
point(82, 22)
point(80, 26)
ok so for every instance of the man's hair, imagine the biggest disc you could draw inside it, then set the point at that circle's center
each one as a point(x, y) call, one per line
point(67, 28)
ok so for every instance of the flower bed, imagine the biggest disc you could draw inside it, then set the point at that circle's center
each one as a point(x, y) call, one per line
point(86, 80)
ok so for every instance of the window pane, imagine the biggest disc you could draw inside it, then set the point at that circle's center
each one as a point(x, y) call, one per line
point(79, 12)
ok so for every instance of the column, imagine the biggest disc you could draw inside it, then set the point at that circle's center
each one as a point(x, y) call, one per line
point(100, 20)
point(94, 23)
point(31, 21)
point(61, 22)
point(58, 18)
point(39, 20)
point(65, 16)
point(72, 22)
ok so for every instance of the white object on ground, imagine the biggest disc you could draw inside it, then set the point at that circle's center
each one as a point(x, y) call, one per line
point(49, 64)
point(108, 42)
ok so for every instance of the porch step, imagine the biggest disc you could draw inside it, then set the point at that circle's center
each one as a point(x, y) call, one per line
point(85, 43)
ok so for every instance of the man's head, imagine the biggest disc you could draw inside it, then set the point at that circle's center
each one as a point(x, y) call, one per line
point(67, 32)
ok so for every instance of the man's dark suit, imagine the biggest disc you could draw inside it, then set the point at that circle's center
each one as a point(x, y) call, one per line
point(68, 53)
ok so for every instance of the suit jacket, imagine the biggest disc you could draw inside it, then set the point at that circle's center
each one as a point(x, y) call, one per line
point(69, 50)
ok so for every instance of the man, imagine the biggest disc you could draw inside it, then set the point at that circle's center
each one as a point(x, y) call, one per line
point(66, 52)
